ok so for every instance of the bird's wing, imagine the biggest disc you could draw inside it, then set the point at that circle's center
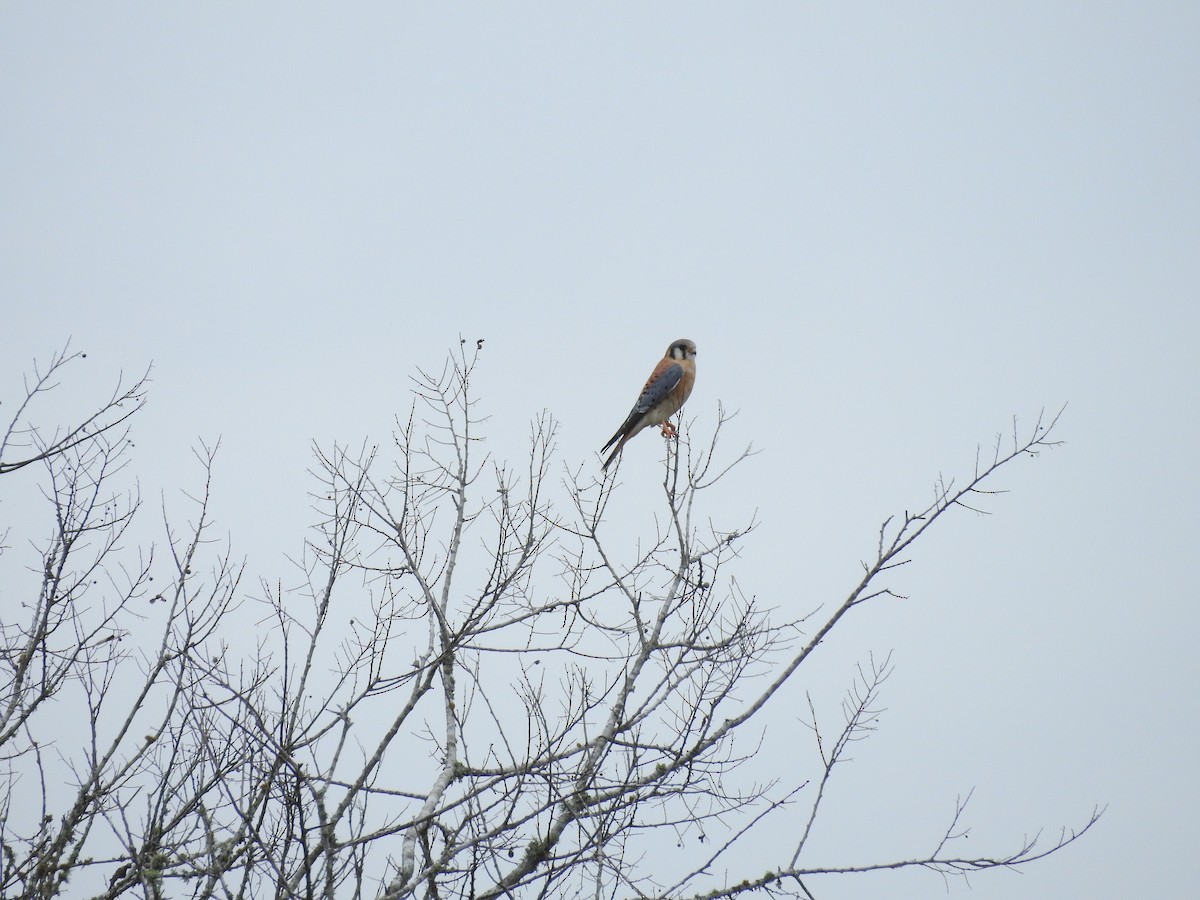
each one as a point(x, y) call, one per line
point(664, 379)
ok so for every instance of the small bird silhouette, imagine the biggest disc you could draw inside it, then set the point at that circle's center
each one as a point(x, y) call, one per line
point(666, 390)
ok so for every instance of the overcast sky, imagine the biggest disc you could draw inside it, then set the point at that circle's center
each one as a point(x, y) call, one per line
point(889, 228)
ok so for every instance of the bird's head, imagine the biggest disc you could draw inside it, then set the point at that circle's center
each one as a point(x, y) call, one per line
point(682, 349)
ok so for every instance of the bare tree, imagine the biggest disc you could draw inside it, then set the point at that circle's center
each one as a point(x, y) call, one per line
point(90, 720)
point(480, 688)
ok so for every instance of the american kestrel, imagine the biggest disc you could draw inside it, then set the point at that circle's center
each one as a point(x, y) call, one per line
point(666, 390)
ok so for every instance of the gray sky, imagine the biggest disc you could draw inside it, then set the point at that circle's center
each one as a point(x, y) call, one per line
point(889, 228)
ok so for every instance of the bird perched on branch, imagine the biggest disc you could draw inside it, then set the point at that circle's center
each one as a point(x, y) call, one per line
point(666, 390)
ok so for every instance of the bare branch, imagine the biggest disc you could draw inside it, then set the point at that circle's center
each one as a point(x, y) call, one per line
point(477, 681)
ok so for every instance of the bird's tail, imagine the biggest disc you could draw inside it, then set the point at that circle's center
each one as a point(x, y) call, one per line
point(612, 456)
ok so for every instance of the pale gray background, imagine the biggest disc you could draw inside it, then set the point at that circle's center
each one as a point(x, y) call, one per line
point(889, 227)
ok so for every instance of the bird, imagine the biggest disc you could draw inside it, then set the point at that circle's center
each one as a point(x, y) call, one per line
point(666, 390)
